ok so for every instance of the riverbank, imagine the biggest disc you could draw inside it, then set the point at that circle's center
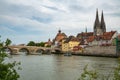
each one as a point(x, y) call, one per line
point(98, 51)
point(96, 55)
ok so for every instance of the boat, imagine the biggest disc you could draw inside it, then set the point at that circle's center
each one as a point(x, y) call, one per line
point(68, 54)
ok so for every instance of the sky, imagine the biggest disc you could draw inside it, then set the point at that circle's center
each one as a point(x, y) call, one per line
point(38, 20)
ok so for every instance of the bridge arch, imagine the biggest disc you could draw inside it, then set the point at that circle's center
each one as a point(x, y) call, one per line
point(57, 51)
point(47, 51)
point(41, 51)
point(24, 50)
point(8, 50)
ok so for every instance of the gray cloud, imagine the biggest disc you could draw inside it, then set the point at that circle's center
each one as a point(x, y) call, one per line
point(43, 17)
point(23, 11)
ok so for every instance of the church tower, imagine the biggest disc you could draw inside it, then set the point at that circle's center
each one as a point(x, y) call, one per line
point(96, 24)
point(102, 25)
point(99, 27)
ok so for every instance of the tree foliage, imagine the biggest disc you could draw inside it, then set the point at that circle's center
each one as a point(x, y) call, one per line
point(7, 70)
point(42, 44)
point(8, 42)
point(31, 43)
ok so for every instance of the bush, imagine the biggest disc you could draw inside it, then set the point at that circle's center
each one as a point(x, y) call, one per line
point(7, 70)
point(88, 75)
point(93, 75)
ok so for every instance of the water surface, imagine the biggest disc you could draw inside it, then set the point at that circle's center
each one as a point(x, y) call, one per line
point(60, 67)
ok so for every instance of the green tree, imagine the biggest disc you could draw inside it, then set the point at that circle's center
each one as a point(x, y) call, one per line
point(31, 43)
point(38, 44)
point(7, 70)
point(8, 42)
point(42, 44)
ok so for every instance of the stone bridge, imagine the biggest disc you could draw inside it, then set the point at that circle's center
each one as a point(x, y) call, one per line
point(31, 50)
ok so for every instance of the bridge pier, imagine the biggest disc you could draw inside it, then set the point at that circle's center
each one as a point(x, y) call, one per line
point(14, 51)
point(32, 50)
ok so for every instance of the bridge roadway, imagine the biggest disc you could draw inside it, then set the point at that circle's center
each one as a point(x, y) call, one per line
point(31, 49)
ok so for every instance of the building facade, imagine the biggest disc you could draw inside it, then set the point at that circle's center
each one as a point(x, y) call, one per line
point(69, 43)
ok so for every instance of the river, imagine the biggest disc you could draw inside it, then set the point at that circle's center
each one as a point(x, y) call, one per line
point(60, 67)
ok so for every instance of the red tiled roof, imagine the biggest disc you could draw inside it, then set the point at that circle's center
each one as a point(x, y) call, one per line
point(105, 36)
point(75, 39)
point(60, 36)
point(71, 38)
point(91, 38)
point(108, 35)
point(76, 48)
point(85, 34)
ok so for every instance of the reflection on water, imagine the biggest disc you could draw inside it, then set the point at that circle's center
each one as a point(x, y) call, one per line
point(59, 67)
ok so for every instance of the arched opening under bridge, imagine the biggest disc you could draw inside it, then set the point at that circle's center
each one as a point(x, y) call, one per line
point(39, 51)
point(47, 51)
point(24, 51)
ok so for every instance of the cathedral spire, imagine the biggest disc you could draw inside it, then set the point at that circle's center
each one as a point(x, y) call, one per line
point(96, 23)
point(103, 26)
point(97, 17)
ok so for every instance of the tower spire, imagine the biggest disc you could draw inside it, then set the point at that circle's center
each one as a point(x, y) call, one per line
point(103, 26)
point(59, 30)
point(96, 23)
point(97, 17)
point(86, 29)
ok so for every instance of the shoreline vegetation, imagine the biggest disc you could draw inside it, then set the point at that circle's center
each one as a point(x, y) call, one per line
point(8, 71)
point(94, 75)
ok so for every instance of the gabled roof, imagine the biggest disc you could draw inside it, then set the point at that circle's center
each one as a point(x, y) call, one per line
point(91, 38)
point(105, 36)
point(84, 34)
point(108, 35)
point(71, 38)
point(59, 36)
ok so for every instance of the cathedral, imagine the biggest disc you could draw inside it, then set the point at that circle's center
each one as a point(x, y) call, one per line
point(99, 27)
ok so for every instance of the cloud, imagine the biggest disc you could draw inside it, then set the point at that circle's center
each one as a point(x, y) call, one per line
point(39, 20)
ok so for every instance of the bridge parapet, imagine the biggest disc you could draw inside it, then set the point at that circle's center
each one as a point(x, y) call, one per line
point(31, 49)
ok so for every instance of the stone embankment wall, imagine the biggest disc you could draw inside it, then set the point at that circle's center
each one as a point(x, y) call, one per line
point(100, 51)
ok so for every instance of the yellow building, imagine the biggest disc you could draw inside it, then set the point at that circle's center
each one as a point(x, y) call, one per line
point(69, 43)
point(72, 44)
point(65, 47)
